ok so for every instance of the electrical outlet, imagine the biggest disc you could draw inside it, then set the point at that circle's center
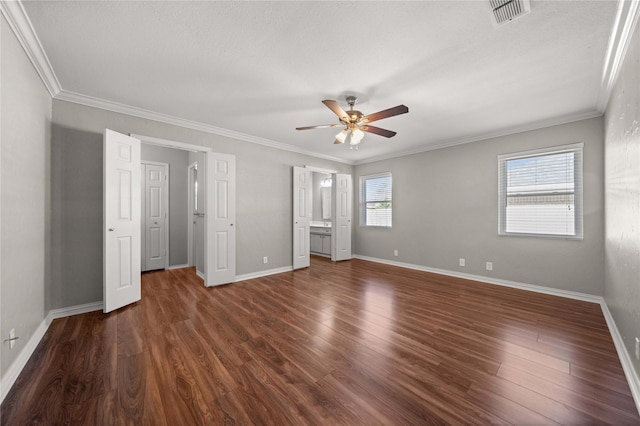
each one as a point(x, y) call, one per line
point(462, 261)
point(395, 252)
point(12, 338)
point(637, 349)
point(265, 259)
point(489, 266)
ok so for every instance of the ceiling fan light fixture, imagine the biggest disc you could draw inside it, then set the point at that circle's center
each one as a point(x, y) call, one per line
point(355, 123)
point(356, 136)
point(342, 136)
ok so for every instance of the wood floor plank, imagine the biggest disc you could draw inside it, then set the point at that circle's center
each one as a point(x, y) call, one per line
point(506, 409)
point(605, 407)
point(348, 343)
point(593, 390)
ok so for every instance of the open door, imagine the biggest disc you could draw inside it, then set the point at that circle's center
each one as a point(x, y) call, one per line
point(220, 247)
point(341, 225)
point(121, 191)
point(302, 205)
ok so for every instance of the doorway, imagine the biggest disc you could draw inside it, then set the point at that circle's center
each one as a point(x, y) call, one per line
point(322, 215)
point(122, 216)
point(215, 254)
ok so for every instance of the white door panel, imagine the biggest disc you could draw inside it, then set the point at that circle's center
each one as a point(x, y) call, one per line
point(121, 191)
point(155, 219)
point(302, 211)
point(342, 206)
point(220, 225)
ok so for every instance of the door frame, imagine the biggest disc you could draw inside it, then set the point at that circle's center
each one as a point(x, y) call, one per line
point(333, 174)
point(167, 215)
point(191, 255)
point(150, 140)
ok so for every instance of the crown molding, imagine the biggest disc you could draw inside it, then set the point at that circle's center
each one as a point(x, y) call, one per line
point(78, 98)
point(20, 24)
point(556, 121)
point(619, 41)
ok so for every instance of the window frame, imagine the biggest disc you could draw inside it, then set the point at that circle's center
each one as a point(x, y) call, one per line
point(578, 191)
point(364, 202)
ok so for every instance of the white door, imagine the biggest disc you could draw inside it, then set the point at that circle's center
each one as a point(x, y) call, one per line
point(121, 191)
point(341, 225)
point(154, 217)
point(220, 248)
point(302, 205)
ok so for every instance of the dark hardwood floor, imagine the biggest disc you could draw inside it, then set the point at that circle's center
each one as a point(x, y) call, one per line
point(348, 343)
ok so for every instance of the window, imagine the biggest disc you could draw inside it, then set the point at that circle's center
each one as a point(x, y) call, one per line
point(540, 192)
point(375, 200)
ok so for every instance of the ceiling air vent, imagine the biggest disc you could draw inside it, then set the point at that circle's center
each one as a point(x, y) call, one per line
point(507, 10)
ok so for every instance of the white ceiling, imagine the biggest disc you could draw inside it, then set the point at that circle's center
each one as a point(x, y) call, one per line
point(262, 68)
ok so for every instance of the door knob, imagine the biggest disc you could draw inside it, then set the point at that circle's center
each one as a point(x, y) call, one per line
point(111, 229)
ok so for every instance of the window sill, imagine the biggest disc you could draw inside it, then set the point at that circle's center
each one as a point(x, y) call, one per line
point(547, 236)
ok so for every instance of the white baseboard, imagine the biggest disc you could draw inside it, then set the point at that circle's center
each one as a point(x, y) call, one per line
point(497, 281)
point(625, 358)
point(18, 364)
point(201, 275)
point(177, 266)
point(320, 254)
point(74, 310)
point(259, 274)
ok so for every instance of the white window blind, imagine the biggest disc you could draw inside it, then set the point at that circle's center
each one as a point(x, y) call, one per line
point(540, 192)
point(375, 200)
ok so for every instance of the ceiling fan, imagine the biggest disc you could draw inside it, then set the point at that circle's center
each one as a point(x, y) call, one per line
point(355, 123)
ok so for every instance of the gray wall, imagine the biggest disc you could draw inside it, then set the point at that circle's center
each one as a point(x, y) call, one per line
point(76, 216)
point(24, 195)
point(264, 188)
point(178, 161)
point(622, 199)
point(445, 206)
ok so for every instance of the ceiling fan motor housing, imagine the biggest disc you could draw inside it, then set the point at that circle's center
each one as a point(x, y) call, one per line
point(354, 117)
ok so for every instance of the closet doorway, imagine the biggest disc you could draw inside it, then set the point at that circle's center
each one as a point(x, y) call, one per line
point(215, 235)
point(122, 222)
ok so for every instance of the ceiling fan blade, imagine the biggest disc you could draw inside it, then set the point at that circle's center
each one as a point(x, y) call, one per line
point(336, 108)
point(337, 142)
point(322, 126)
point(378, 131)
point(397, 110)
